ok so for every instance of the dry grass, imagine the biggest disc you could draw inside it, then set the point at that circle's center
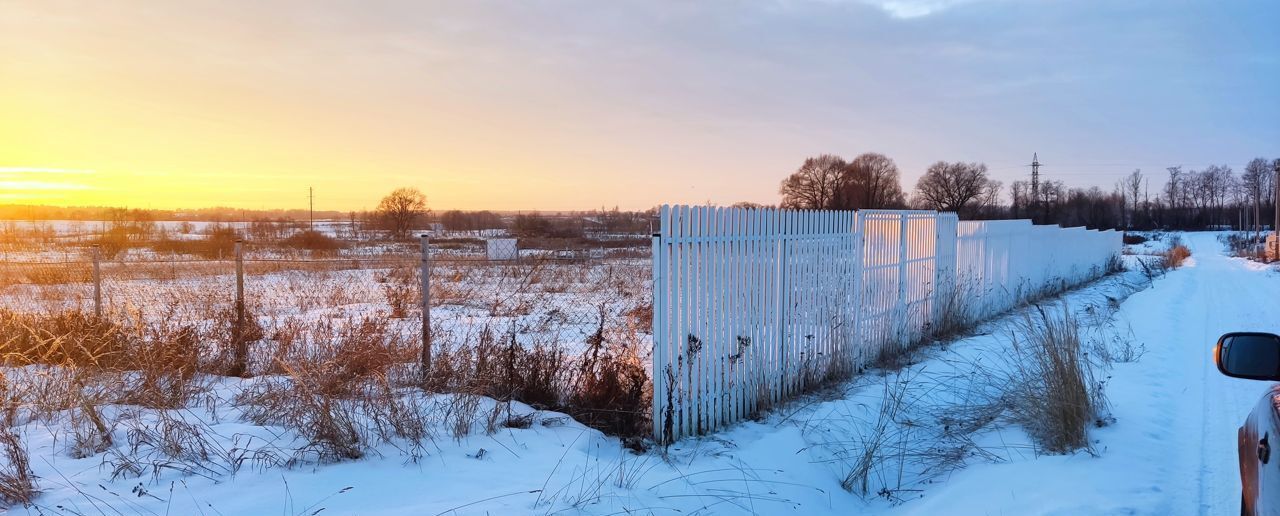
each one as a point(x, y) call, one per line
point(68, 337)
point(1051, 389)
point(402, 287)
point(612, 391)
point(152, 365)
point(340, 392)
point(872, 445)
point(332, 356)
point(17, 482)
point(1176, 255)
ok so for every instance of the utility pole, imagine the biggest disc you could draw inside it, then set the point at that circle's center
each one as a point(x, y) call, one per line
point(1275, 229)
point(311, 206)
point(1035, 183)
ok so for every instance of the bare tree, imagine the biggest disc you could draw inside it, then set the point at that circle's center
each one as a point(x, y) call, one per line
point(1255, 183)
point(814, 185)
point(401, 208)
point(870, 181)
point(1172, 192)
point(1019, 198)
point(1132, 185)
point(954, 186)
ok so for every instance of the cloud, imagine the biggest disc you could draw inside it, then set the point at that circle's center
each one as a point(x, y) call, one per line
point(40, 185)
point(22, 182)
point(13, 171)
point(906, 9)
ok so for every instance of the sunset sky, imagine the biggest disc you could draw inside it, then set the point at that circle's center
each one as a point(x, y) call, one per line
point(582, 104)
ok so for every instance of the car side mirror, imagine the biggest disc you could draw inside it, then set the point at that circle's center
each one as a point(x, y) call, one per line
point(1253, 356)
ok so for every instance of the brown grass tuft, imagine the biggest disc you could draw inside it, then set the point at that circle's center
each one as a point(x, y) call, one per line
point(1051, 390)
point(1176, 255)
point(17, 482)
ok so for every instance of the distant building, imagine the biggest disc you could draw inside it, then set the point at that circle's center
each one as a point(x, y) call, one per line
point(593, 226)
point(501, 249)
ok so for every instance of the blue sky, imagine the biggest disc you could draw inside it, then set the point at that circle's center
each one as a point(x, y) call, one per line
point(575, 104)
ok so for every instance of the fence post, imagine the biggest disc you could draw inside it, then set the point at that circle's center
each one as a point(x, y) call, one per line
point(1275, 227)
point(903, 332)
point(241, 358)
point(97, 280)
point(426, 306)
point(859, 256)
point(659, 354)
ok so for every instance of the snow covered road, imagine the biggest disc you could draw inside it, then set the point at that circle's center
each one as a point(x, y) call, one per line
point(1172, 449)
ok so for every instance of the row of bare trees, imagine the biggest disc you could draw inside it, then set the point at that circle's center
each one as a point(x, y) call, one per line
point(1212, 197)
point(828, 182)
point(872, 181)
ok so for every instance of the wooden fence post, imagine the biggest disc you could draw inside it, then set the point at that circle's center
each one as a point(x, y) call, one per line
point(425, 270)
point(241, 358)
point(97, 280)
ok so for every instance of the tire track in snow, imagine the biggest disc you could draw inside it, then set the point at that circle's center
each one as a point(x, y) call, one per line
point(1216, 295)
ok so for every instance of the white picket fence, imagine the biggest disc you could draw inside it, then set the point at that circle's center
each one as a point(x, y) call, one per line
point(1003, 263)
point(753, 306)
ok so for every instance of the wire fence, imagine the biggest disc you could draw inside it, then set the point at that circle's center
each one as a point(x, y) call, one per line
point(753, 307)
point(552, 321)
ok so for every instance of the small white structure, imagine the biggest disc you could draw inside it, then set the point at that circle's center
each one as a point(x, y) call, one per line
point(501, 249)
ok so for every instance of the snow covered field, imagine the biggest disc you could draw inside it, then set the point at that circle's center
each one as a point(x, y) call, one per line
point(1168, 446)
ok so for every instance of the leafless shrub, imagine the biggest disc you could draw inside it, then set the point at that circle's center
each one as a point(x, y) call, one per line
point(165, 365)
point(401, 287)
point(1116, 347)
point(1114, 265)
point(398, 416)
point(506, 371)
point(331, 426)
point(333, 388)
point(17, 482)
point(763, 401)
point(1176, 255)
point(1133, 239)
point(233, 336)
point(164, 441)
point(313, 241)
point(612, 391)
point(1153, 268)
point(90, 434)
point(1245, 245)
point(955, 313)
point(1128, 352)
point(461, 414)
